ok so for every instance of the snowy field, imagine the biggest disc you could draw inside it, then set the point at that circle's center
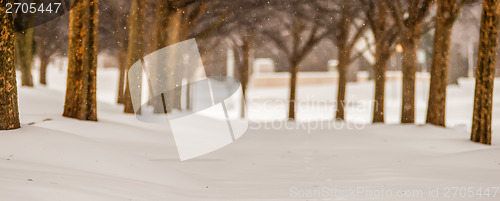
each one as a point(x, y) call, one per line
point(121, 159)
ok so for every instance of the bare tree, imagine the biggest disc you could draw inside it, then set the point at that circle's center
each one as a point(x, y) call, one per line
point(485, 72)
point(347, 26)
point(410, 16)
point(81, 100)
point(296, 38)
point(242, 28)
point(9, 114)
point(447, 13)
point(385, 33)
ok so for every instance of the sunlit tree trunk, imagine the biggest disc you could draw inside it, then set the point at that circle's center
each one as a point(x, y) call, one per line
point(485, 72)
point(81, 100)
point(9, 114)
point(135, 45)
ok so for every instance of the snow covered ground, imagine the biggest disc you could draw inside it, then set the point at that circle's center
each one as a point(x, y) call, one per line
point(119, 158)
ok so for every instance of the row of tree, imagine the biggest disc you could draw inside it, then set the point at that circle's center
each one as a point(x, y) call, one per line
point(294, 26)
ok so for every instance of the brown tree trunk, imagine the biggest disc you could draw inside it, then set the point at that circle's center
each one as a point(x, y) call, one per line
point(294, 68)
point(381, 57)
point(175, 79)
point(344, 54)
point(247, 47)
point(342, 72)
point(436, 110)
point(122, 57)
point(409, 69)
point(24, 43)
point(135, 45)
point(81, 100)
point(44, 62)
point(163, 16)
point(9, 114)
point(238, 64)
point(382, 54)
point(244, 79)
point(485, 72)
point(188, 95)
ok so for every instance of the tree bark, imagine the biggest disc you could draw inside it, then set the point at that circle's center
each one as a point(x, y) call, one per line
point(81, 100)
point(9, 114)
point(135, 45)
point(485, 73)
point(409, 68)
point(436, 110)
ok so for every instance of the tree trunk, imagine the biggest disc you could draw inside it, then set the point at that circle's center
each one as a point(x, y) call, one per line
point(381, 57)
point(44, 62)
point(135, 45)
point(409, 69)
point(9, 114)
point(294, 68)
point(81, 100)
point(24, 43)
point(175, 79)
point(436, 110)
point(247, 47)
point(343, 56)
point(244, 78)
point(122, 57)
point(160, 40)
point(238, 64)
point(188, 95)
point(485, 72)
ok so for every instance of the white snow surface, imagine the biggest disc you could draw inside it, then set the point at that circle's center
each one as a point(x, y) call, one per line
point(121, 159)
